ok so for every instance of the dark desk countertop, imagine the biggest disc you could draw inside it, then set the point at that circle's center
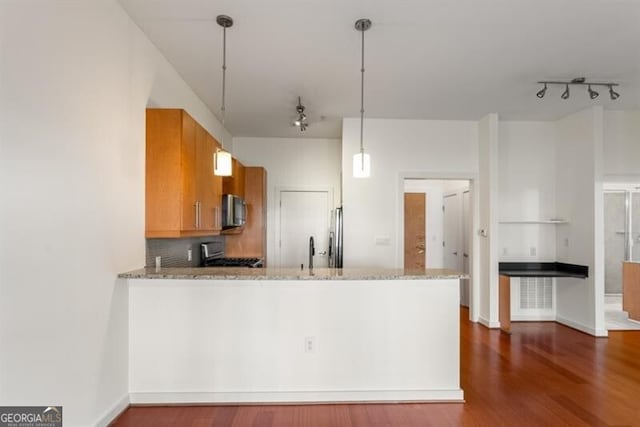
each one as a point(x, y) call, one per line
point(543, 269)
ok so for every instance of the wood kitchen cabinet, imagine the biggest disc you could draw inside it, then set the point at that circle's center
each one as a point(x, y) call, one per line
point(182, 195)
point(235, 184)
point(252, 242)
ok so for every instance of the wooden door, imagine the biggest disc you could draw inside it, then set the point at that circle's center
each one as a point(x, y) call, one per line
point(188, 167)
point(414, 230)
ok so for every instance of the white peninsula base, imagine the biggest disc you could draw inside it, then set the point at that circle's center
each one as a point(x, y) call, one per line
point(240, 341)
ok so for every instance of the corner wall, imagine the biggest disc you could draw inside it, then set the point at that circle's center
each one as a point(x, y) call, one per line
point(527, 191)
point(579, 198)
point(488, 229)
point(75, 78)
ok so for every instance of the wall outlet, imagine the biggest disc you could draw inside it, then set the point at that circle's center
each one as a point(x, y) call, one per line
point(533, 251)
point(189, 254)
point(505, 251)
point(566, 242)
point(309, 344)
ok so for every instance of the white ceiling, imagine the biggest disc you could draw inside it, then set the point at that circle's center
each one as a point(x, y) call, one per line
point(425, 59)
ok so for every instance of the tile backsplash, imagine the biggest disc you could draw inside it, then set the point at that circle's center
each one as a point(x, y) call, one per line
point(174, 251)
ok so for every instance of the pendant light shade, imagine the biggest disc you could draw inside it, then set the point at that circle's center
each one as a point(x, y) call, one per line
point(361, 165)
point(222, 165)
point(361, 160)
point(221, 158)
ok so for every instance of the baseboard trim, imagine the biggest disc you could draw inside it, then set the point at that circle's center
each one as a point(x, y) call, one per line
point(488, 324)
point(306, 397)
point(582, 328)
point(114, 412)
point(533, 317)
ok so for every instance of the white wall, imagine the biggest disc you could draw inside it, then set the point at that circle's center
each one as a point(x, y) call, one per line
point(488, 192)
point(621, 144)
point(292, 163)
point(399, 149)
point(579, 198)
point(527, 182)
point(75, 78)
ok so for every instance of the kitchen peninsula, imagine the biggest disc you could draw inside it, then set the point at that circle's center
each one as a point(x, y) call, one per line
point(223, 335)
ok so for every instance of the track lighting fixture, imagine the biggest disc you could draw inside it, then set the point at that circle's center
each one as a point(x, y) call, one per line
point(612, 93)
point(301, 118)
point(581, 81)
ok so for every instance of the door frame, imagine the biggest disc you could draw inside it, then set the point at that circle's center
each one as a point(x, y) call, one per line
point(474, 255)
point(303, 189)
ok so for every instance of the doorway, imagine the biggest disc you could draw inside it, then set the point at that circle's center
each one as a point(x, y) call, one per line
point(437, 233)
point(622, 243)
point(303, 214)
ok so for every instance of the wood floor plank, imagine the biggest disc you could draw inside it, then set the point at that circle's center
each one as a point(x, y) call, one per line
point(543, 374)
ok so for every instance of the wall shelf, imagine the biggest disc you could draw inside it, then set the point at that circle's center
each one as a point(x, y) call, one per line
point(535, 221)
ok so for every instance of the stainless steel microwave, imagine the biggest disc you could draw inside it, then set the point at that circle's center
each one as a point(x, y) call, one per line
point(234, 211)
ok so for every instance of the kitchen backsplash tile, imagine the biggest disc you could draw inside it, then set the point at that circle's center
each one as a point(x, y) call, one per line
point(174, 251)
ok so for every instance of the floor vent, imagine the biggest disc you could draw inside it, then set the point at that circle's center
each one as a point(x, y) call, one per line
point(536, 293)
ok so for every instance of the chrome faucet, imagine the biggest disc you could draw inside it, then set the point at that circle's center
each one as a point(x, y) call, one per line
point(312, 252)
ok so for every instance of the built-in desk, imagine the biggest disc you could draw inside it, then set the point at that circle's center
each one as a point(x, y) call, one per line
point(507, 270)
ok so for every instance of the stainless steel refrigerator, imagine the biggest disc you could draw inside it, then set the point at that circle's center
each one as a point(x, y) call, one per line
point(336, 239)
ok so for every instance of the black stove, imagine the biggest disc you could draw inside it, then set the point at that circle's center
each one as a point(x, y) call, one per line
point(213, 256)
point(233, 262)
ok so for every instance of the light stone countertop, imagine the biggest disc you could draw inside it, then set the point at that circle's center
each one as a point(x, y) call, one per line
point(270, 273)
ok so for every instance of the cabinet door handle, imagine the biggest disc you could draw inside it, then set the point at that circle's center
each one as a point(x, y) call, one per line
point(195, 205)
point(197, 214)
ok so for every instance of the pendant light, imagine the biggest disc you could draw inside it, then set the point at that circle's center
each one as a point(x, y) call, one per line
point(362, 161)
point(222, 165)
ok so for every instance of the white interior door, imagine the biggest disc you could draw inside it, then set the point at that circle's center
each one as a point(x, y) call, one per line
point(466, 245)
point(451, 226)
point(303, 214)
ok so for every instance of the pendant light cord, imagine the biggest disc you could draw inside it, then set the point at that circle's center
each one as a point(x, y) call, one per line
point(362, 102)
point(224, 73)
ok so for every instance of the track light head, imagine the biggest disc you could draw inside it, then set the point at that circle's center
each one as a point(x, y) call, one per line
point(565, 94)
point(592, 93)
point(542, 91)
point(613, 94)
point(301, 118)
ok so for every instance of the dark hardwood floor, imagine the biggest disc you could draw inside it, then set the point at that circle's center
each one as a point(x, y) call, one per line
point(544, 374)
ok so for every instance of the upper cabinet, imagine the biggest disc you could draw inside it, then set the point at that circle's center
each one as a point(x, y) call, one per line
point(235, 184)
point(183, 195)
point(252, 242)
